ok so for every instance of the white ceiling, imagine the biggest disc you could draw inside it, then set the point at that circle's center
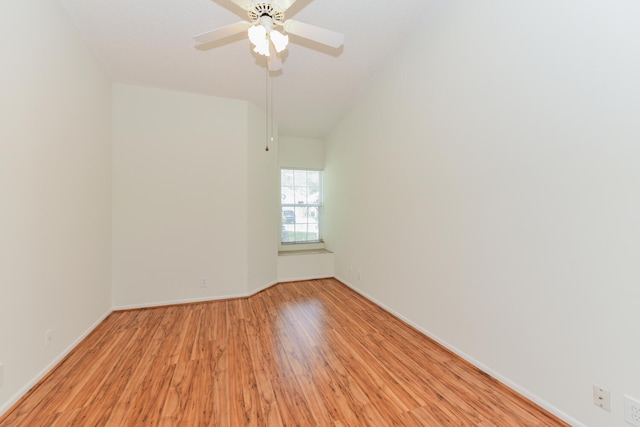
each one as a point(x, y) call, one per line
point(149, 43)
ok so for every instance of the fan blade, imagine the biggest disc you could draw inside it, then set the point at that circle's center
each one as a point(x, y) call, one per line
point(282, 5)
point(223, 32)
point(316, 34)
point(245, 4)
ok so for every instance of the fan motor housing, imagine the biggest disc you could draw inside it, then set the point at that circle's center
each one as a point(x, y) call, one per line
point(259, 10)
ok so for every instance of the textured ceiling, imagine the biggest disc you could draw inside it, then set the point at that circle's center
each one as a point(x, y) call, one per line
point(149, 43)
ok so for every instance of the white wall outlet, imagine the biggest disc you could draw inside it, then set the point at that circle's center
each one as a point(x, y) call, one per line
point(359, 275)
point(204, 282)
point(1, 374)
point(48, 337)
point(602, 398)
point(632, 411)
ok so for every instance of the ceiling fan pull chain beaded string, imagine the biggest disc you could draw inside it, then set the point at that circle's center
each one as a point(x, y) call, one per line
point(268, 108)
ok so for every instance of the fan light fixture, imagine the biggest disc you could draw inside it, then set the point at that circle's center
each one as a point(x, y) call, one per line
point(261, 33)
point(279, 40)
point(264, 17)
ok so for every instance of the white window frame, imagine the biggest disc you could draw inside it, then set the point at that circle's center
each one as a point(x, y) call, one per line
point(304, 243)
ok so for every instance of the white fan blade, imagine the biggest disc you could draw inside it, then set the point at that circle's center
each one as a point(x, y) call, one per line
point(245, 4)
point(223, 32)
point(316, 34)
point(282, 5)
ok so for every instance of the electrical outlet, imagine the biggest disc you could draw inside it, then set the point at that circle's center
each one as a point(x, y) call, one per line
point(1, 374)
point(359, 275)
point(48, 337)
point(632, 411)
point(204, 282)
point(602, 398)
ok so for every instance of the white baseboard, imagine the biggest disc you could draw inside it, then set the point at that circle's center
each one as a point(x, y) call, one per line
point(194, 300)
point(45, 371)
point(506, 381)
point(300, 279)
point(262, 288)
point(175, 302)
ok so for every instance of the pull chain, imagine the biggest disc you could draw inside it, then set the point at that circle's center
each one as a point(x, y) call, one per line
point(268, 108)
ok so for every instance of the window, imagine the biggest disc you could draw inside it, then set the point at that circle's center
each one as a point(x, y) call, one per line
point(301, 205)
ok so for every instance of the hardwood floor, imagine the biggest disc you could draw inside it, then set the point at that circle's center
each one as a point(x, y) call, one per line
point(310, 353)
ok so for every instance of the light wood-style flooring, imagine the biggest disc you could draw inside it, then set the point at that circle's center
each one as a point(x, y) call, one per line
point(310, 353)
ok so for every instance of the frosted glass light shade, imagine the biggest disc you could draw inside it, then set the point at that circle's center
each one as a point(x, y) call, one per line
point(262, 47)
point(257, 33)
point(258, 36)
point(279, 40)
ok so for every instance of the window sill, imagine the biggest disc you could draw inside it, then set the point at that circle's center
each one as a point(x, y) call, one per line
point(304, 252)
point(289, 247)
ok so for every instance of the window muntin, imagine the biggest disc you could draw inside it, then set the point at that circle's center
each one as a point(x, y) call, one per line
point(301, 205)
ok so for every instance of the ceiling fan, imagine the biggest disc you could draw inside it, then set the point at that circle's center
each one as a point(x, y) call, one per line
point(265, 16)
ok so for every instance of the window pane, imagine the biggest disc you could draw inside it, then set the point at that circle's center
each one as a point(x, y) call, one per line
point(301, 199)
point(286, 177)
point(287, 189)
point(300, 178)
point(300, 195)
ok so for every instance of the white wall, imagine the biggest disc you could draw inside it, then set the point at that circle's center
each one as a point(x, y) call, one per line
point(263, 204)
point(55, 180)
point(294, 266)
point(486, 185)
point(187, 193)
point(301, 153)
point(180, 200)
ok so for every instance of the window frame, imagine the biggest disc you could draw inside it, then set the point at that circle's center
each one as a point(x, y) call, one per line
point(293, 207)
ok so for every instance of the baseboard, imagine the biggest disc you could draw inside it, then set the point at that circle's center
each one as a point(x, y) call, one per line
point(47, 369)
point(504, 380)
point(301, 279)
point(175, 302)
point(262, 288)
point(194, 300)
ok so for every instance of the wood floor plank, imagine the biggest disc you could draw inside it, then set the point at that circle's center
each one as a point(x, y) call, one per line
point(311, 353)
